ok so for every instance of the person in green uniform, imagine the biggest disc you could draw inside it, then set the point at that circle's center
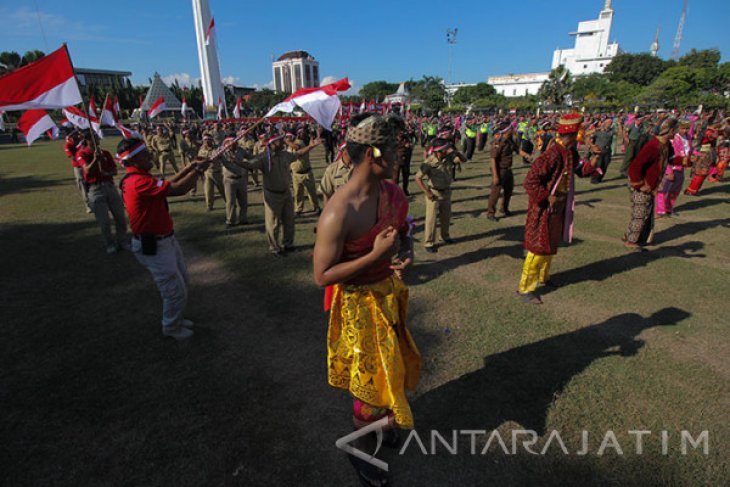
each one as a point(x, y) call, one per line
point(302, 176)
point(214, 173)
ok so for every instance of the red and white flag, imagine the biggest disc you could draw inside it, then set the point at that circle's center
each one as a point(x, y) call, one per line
point(237, 108)
point(108, 117)
point(362, 106)
point(204, 107)
point(127, 133)
point(95, 124)
point(141, 101)
point(33, 123)
point(117, 108)
point(47, 83)
point(76, 117)
point(184, 107)
point(220, 108)
point(320, 103)
point(209, 32)
point(157, 107)
point(65, 123)
point(53, 133)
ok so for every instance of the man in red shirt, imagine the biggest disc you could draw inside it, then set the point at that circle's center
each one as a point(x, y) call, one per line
point(645, 173)
point(73, 141)
point(99, 170)
point(153, 242)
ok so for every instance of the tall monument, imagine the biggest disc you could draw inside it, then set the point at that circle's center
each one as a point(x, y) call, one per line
point(210, 72)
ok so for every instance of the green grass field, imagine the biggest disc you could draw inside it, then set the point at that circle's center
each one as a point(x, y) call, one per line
point(92, 394)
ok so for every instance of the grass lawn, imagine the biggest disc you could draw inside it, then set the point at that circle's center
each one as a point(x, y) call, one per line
point(92, 394)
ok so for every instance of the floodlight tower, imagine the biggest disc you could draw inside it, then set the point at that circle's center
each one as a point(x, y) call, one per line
point(451, 40)
point(680, 28)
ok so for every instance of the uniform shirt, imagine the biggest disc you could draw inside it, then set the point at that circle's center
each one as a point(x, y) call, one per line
point(502, 151)
point(604, 138)
point(277, 175)
point(301, 165)
point(163, 143)
point(188, 150)
point(103, 171)
point(230, 168)
point(335, 176)
point(438, 173)
point(215, 164)
point(145, 198)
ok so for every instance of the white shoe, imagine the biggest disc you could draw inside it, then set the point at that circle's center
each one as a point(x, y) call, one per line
point(180, 333)
point(187, 324)
point(112, 249)
point(89, 210)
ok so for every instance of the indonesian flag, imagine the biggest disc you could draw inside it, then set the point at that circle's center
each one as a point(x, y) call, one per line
point(209, 32)
point(33, 123)
point(76, 117)
point(108, 117)
point(371, 106)
point(220, 108)
point(117, 108)
point(184, 106)
point(47, 83)
point(127, 133)
point(362, 106)
point(65, 123)
point(157, 107)
point(237, 109)
point(320, 103)
point(141, 101)
point(95, 124)
point(53, 133)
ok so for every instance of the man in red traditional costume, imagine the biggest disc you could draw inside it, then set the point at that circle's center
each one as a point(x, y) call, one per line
point(363, 244)
point(645, 173)
point(550, 186)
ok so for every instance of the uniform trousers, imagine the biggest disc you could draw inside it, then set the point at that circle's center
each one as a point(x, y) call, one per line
point(212, 181)
point(439, 208)
point(236, 192)
point(304, 183)
point(103, 199)
point(278, 212)
point(506, 183)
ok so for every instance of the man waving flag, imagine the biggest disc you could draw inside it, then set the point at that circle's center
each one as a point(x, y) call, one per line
point(47, 83)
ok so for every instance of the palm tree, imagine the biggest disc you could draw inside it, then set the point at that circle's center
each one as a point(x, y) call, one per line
point(557, 87)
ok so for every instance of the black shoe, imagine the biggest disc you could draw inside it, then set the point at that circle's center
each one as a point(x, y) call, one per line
point(289, 248)
point(230, 225)
point(448, 240)
point(506, 213)
point(277, 253)
point(431, 250)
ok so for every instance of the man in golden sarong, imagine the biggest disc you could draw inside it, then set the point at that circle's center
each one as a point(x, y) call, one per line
point(363, 245)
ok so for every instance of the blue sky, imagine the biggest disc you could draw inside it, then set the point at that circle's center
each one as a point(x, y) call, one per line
point(363, 40)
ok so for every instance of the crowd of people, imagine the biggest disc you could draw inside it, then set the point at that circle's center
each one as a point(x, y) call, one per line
point(364, 235)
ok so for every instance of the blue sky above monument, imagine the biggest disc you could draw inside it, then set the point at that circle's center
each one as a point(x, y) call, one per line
point(365, 41)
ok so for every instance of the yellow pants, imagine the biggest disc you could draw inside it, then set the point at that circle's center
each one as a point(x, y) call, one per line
point(536, 270)
point(370, 352)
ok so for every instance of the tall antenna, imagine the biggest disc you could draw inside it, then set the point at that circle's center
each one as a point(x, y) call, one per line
point(451, 40)
point(680, 28)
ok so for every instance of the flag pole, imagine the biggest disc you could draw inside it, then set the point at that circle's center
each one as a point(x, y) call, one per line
point(83, 103)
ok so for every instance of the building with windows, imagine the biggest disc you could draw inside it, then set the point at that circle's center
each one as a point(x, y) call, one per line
point(295, 70)
point(102, 78)
point(591, 54)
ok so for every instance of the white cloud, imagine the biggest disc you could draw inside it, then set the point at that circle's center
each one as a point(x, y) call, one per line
point(259, 86)
point(231, 80)
point(185, 80)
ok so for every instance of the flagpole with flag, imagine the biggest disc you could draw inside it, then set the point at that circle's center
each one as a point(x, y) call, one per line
point(83, 103)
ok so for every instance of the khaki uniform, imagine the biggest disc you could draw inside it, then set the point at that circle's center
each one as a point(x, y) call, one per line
point(149, 141)
point(249, 148)
point(235, 186)
point(303, 179)
point(278, 200)
point(335, 176)
point(502, 151)
point(213, 177)
point(188, 152)
point(437, 176)
point(164, 145)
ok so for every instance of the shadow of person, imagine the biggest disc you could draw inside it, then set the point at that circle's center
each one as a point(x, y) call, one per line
point(518, 385)
point(603, 269)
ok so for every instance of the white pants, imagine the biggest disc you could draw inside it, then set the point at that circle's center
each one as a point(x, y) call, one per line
point(171, 276)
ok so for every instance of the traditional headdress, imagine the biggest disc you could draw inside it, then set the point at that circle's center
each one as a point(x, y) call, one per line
point(570, 123)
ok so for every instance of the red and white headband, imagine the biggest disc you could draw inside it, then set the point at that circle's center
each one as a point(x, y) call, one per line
point(126, 155)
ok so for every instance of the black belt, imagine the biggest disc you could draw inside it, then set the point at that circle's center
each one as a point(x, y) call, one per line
point(275, 192)
point(157, 237)
point(305, 172)
point(234, 177)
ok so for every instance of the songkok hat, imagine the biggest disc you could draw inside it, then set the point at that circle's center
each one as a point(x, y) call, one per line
point(684, 123)
point(373, 130)
point(570, 123)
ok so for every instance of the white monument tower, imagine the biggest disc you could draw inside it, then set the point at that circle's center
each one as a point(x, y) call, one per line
point(210, 72)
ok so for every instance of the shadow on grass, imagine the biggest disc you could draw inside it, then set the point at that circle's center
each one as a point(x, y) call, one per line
point(25, 184)
point(699, 203)
point(604, 269)
point(600, 187)
point(520, 385)
point(681, 230)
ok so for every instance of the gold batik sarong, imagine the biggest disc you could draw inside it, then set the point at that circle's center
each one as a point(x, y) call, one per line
point(370, 352)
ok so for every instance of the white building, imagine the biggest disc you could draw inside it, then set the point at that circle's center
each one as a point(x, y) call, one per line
point(402, 95)
point(518, 84)
point(592, 51)
point(591, 54)
point(295, 70)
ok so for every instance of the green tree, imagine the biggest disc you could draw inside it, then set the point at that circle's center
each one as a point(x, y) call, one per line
point(469, 94)
point(595, 86)
point(431, 91)
point(32, 56)
point(640, 69)
point(558, 85)
point(706, 58)
point(377, 90)
point(9, 61)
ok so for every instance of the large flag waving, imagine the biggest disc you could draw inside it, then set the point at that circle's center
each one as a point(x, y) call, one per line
point(237, 109)
point(95, 124)
point(320, 103)
point(76, 117)
point(108, 115)
point(46, 83)
point(157, 107)
point(33, 123)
